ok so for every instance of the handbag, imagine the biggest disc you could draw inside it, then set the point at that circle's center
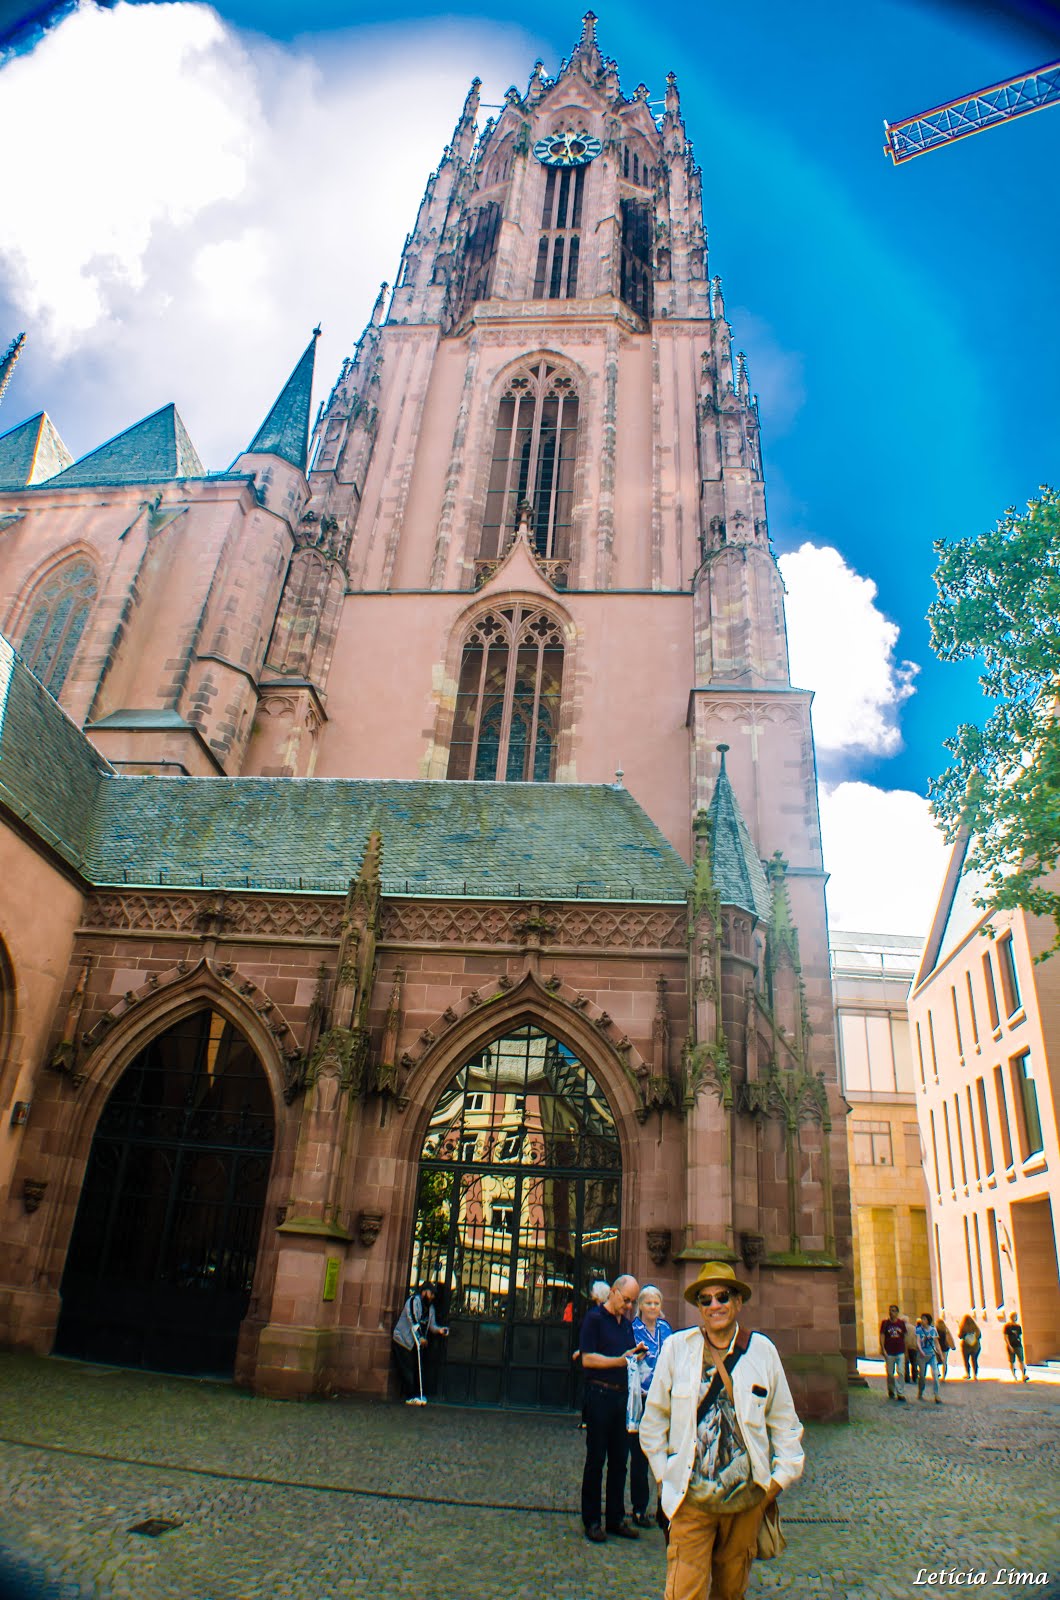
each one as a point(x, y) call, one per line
point(771, 1541)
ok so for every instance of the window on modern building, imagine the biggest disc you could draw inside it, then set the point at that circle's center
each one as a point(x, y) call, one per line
point(995, 1258)
point(556, 276)
point(960, 1138)
point(1010, 987)
point(508, 700)
point(931, 1042)
point(949, 1143)
point(938, 1256)
point(1002, 1112)
point(56, 613)
point(1025, 1100)
point(902, 1053)
point(979, 1259)
point(914, 1149)
point(991, 992)
point(635, 277)
point(956, 1021)
point(971, 1008)
point(971, 1132)
point(968, 1261)
point(474, 1102)
point(935, 1154)
point(534, 452)
point(920, 1057)
point(872, 1144)
point(984, 1123)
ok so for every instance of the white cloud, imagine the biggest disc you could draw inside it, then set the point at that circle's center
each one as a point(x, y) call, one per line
point(193, 200)
point(843, 648)
point(886, 857)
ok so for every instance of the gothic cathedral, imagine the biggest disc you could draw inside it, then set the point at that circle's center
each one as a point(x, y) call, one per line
point(410, 835)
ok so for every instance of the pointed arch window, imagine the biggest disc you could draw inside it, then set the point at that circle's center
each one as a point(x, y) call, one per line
point(57, 612)
point(535, 447)
point(508, 700)
point(556, 274)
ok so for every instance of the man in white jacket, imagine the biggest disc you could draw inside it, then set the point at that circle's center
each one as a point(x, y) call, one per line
point(720, 1457)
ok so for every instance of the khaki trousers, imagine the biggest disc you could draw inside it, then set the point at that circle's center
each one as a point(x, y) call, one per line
point(710, 1554)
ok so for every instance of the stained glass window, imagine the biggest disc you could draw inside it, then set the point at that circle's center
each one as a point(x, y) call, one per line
point(57, 613)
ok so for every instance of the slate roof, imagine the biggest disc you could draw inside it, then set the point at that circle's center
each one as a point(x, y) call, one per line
point(50, 774)
point(285, 431)
point(546, 841)
point(738, 874)
point(510, 840)
point(31, 453)
point(155, 450)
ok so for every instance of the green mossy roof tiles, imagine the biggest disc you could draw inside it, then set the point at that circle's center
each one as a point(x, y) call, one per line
point(738, 874)
point(156, 450)
point(537, 841)
point(31, 453)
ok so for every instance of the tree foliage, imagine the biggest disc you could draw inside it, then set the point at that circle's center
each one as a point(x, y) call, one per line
point(999, 604)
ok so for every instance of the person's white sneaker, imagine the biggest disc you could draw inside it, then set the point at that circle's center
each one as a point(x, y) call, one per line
point(416, 1401)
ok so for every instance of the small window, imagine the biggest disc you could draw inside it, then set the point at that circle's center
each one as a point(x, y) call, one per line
point(467, 1149)
point(475, 1102)
point(1010, 987)
point(995, 1258)
point(984, 1123)
point(1002, 1111)
point(872, 1144)
point(956, 1021)
point(949, 1143)
point(971, 1007)
point(914, 1153)
point(931, 1041)
point(935, 1154)
point(502, 1217)
point(920, 1057)
point(511, 1144)
point(1025, 1099)
point(991, 992)
point(971, 1131)
point(960, 1139)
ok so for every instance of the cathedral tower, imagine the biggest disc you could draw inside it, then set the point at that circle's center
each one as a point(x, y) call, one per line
point(511, 628)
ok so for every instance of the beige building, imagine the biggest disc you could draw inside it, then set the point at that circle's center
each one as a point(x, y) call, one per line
point(871, 973)
point(986, 1031)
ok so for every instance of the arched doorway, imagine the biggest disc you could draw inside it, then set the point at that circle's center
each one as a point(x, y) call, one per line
point(162, 1255)
point(517, 1213)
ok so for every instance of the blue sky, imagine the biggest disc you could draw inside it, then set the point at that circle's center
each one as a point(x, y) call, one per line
point(901, 324)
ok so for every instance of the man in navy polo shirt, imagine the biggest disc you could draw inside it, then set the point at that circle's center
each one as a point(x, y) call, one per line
point(606, 1339)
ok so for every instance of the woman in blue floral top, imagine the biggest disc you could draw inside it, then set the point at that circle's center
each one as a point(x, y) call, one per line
point(651, 1329)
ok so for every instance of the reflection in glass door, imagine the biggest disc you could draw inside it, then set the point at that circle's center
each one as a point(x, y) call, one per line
point(517, 1214)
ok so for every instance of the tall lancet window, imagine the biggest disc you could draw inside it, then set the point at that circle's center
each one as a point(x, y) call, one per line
point(556, 275)
point(56, 615)
point(635, 286)
point(507, 706)
point(534, 450)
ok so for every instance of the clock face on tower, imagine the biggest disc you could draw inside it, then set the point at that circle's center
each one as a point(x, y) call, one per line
point(567, 149)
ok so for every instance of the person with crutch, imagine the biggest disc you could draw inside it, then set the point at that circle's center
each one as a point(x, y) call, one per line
point(413, 1328)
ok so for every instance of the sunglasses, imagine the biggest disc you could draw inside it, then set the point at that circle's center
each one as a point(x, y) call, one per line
point(722, 1298)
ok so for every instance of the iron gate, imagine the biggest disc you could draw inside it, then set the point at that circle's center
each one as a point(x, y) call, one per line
point(164, 1247)
point(517, 1213)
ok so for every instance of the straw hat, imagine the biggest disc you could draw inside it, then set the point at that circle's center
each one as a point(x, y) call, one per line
point(716, 1274)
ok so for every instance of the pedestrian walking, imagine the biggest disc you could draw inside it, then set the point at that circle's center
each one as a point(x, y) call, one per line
point(1014, 1346)
point(606, 1340)
point(892, 1348)
point(971, 1338)
point(722, 1438)
point(413, 1328)
point(651, 1329)
point(927, 1340)
point(946, 1344)
point(910, 1348)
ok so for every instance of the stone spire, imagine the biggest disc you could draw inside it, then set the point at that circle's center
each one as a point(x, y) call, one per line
point(738, 875)
point(7, 363)
point(285, 431)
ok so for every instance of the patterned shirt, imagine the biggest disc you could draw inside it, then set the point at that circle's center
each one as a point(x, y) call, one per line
point(654, 1342)
point(927, 1341)
point(722, 1465)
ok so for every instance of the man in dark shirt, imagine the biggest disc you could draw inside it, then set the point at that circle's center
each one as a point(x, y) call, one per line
point(892, 1347)
point(1014, 1346)
point(606, 1339)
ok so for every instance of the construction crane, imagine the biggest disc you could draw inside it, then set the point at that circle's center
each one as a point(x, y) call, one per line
point(957, 119)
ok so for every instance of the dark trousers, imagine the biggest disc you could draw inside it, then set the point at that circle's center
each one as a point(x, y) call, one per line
point(408, 1377)
point(639, 1492)
point(606, 1441)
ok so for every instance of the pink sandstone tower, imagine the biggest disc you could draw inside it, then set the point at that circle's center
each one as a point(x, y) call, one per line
point(353, 957)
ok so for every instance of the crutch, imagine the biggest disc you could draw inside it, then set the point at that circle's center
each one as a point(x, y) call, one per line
point(418, 1400)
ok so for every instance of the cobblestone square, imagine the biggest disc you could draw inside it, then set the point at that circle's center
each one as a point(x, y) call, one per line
point(343, 1499)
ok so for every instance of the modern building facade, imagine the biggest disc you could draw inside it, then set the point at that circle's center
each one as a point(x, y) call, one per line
point(871, 974)
point(354, 956)
point(986, 1022)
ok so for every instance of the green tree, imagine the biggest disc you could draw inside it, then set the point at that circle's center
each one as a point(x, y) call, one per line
point(999, 604)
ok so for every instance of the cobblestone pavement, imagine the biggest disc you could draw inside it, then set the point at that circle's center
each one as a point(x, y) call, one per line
point(343, 1499)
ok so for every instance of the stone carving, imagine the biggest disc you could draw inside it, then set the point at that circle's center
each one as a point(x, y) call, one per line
point(707, 1066)
point(565, 927)
point(752, 1249)
point(369, 1225)
point(659, 1245)
point(282, 917)
point(32, 1194)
